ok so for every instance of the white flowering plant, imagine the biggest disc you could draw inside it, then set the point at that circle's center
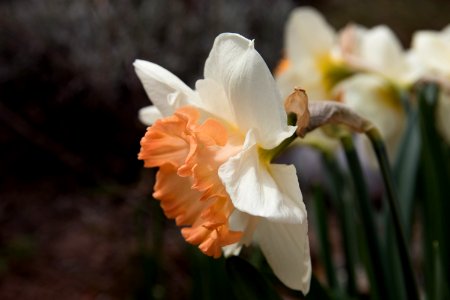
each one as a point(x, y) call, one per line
point(217, 147)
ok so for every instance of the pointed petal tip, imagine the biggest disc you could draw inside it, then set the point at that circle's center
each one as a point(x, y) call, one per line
point(251, 44)
point(237, 38)
point(139, 63)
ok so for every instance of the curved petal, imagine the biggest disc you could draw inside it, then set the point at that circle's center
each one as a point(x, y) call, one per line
point(382, 51)
point(286, 248)
point(373, 98)
point(165, 90)
point(309, 79)
point(168, 140)
point(308, 35)
point(209, 89)
point(178, 200)
point(243, 222)
point(433, 49)
point(149, 115)
point(251, 93)
point(269, 191)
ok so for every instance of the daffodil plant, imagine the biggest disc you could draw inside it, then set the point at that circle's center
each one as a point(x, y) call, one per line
point(216, 146)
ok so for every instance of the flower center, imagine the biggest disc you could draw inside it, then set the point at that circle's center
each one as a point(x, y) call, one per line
point(187, 184)
point(332, 70)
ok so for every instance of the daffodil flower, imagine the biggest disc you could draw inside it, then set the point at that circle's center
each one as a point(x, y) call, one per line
point(362, 68)
point(312, 56)
point(432, 52)
point(212, 146)
point(378, 51)
point(374, 98)
point(313, 62)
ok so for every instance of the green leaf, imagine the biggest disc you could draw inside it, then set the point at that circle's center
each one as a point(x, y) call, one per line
point(440, 285)
point(405, 168)
point(405, 175)
point(341, 197)
point(376, 268)
point(436, 173)
point(209, 277)
point(248, 283)
point(322, 228)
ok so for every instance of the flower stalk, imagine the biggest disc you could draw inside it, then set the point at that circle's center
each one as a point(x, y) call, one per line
point(379, 277)
point(380, 151)
point(327, 112)
point(344, 211)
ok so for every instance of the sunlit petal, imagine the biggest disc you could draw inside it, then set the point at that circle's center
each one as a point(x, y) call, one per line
point(149, 114)
point(307, 36)
point(286, 248)
point(260, 189)
point(250, 89)
point(165, 90)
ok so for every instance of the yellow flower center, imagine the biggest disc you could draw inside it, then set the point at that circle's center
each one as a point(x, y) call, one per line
point(333, 71)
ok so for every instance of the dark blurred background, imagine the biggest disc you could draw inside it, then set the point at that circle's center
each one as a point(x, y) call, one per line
point(76, 216)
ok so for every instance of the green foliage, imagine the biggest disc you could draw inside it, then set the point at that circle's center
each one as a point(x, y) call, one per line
point(435, 175)
point(247, 283)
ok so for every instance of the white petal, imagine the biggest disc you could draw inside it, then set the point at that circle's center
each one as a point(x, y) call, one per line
point(382, 52)
point(166, 91)
point(210, 89)
point(149, 114)
point(372, 97)
point(308, 35)
point(251, 93)
point(269, 191)
point(241, 221)
point(309, 79)
point(446, 31)
point(233, 249)
point(286, 248)
point(433, 48)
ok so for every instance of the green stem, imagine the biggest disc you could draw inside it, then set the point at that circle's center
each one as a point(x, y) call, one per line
point(379, 284)
point(322, 226)
point(345, 216)
point(435, 204)
point(269, 154)
point(406, 168)
point(380, 151)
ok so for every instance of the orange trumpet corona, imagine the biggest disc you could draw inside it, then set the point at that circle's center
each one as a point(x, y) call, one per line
point(188, 155)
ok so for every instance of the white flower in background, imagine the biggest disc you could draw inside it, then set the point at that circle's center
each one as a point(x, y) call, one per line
point(212, 146)
point(375, 99)
point(312, 57)
point(363, 68)
point(312, 62)
point(377, 50)
point(432, 50)
point(375, 92)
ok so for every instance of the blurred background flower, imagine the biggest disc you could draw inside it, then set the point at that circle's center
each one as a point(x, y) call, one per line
point(76, 216)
